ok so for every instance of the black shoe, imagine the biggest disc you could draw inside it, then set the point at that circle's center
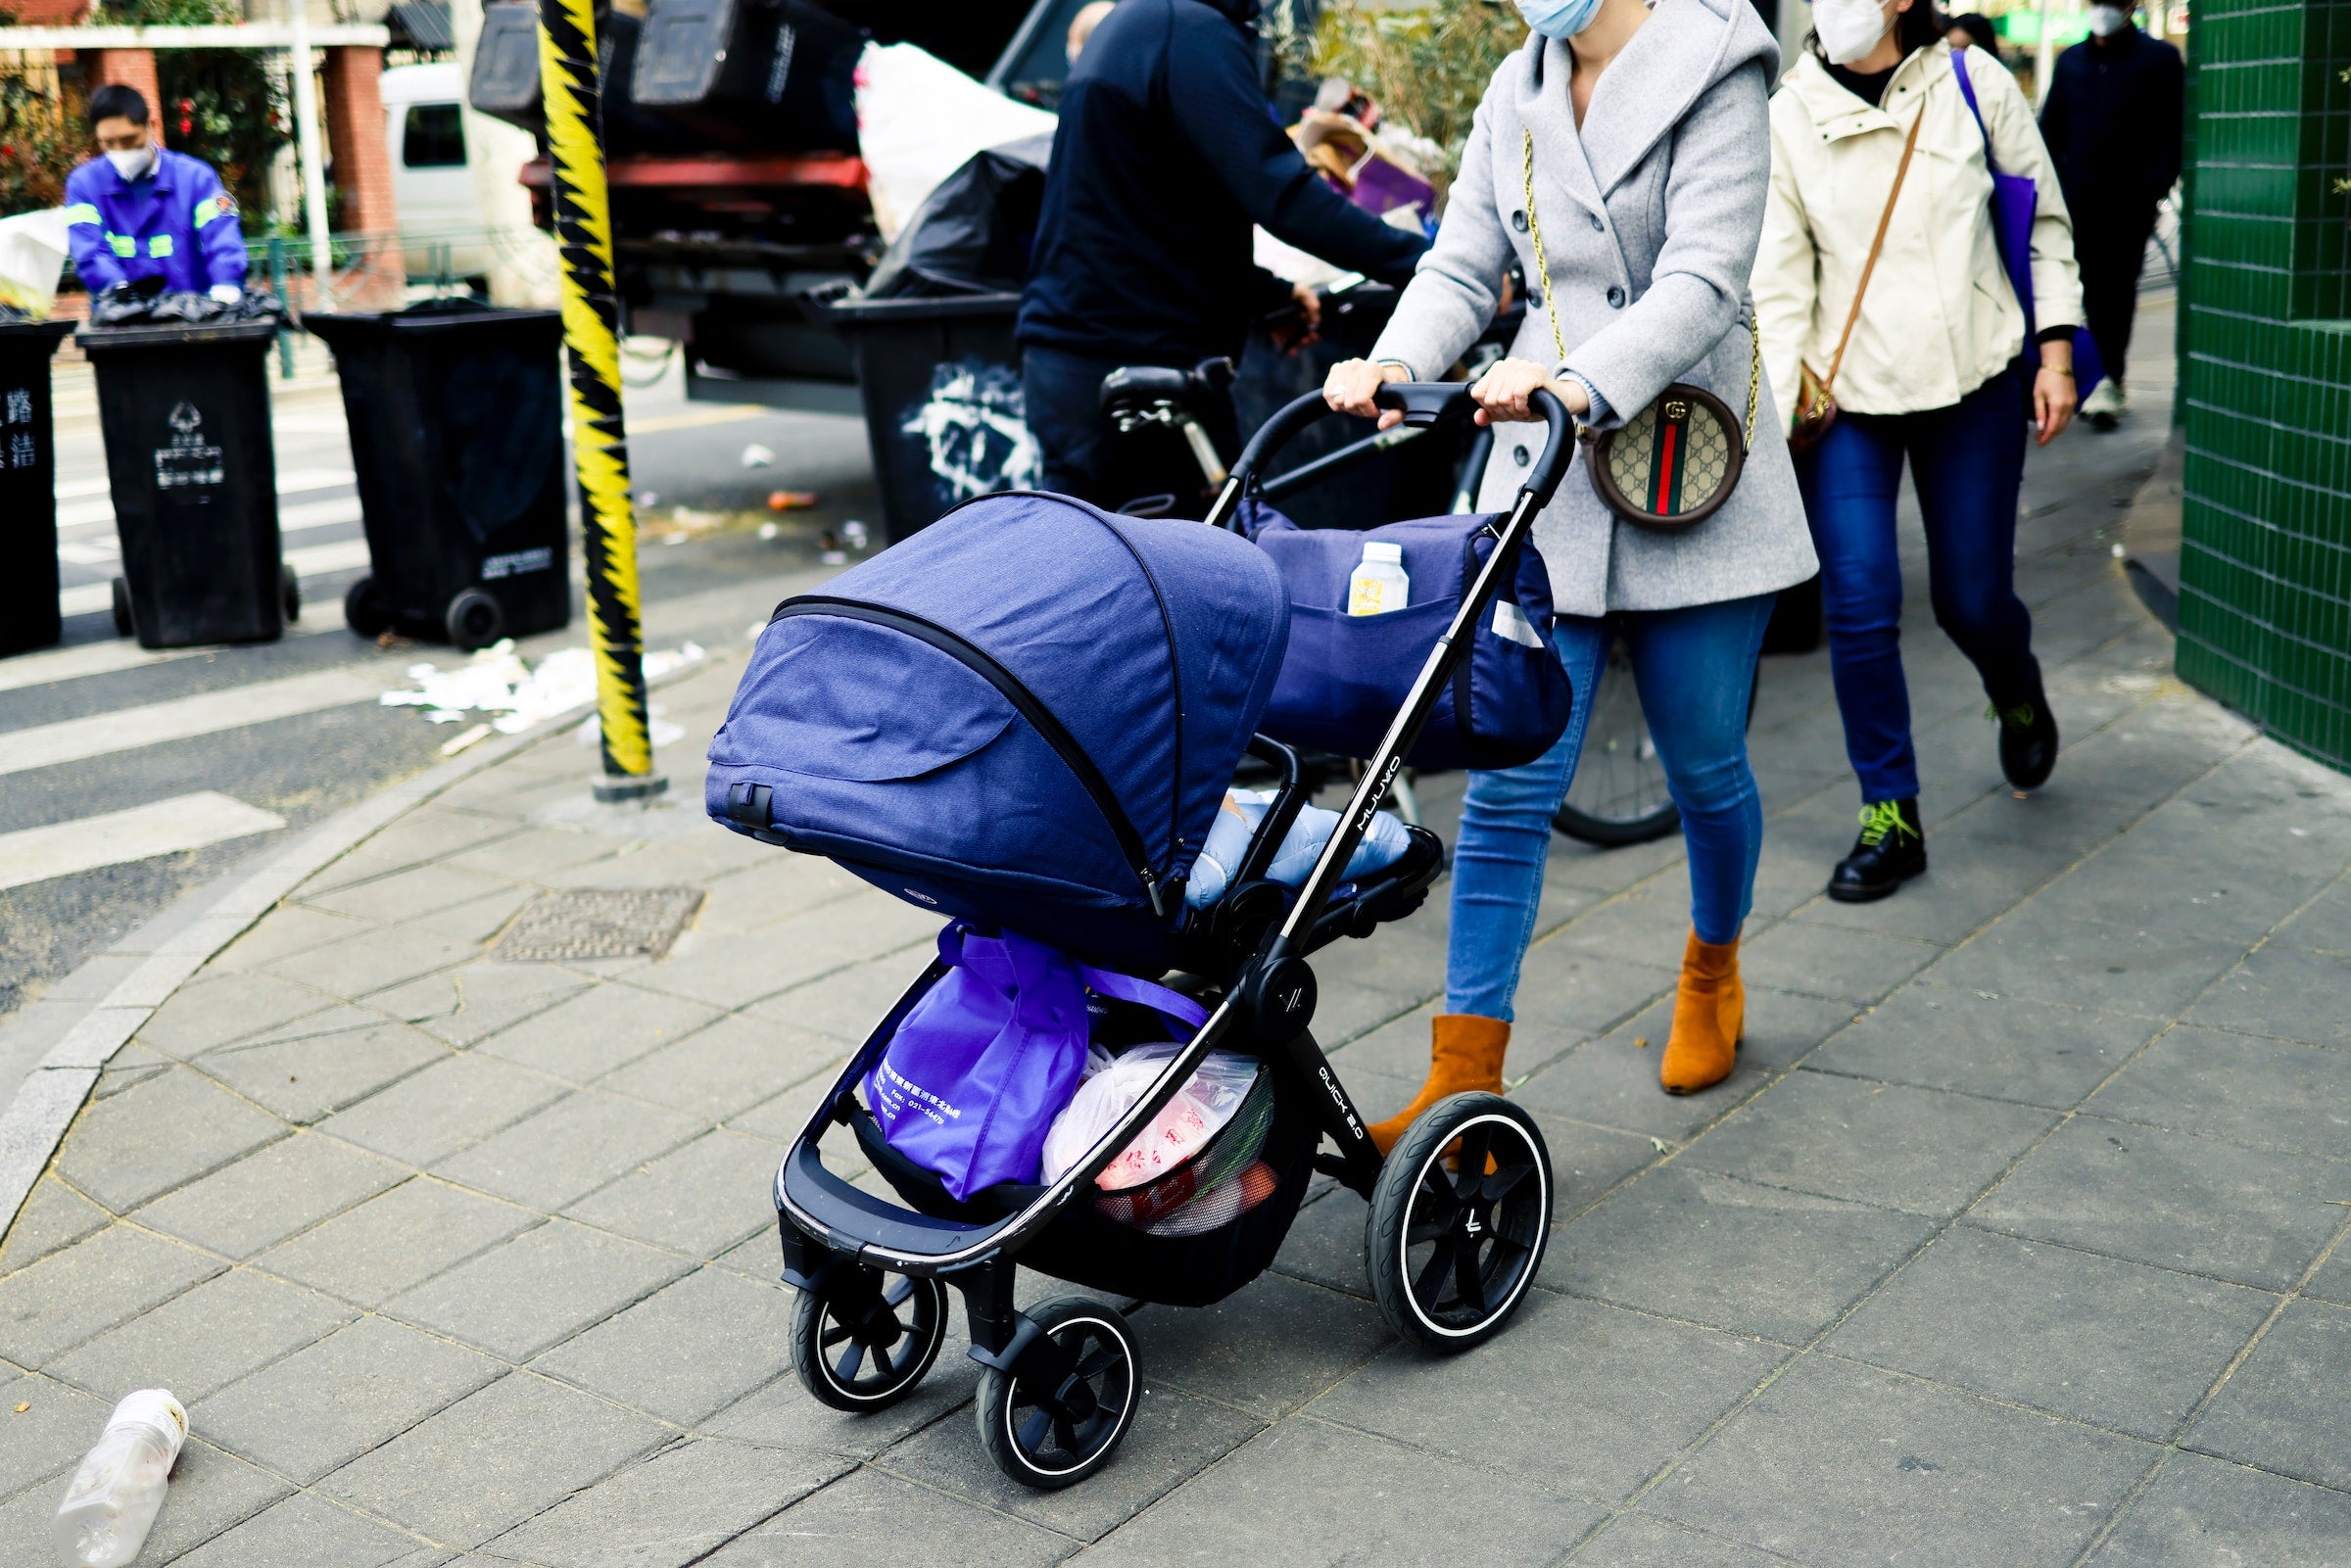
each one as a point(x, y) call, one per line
point(1889, 853)
point(2028, 740)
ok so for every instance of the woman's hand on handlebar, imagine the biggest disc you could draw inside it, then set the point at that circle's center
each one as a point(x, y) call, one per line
point(1352, 383)
point(1501, 392)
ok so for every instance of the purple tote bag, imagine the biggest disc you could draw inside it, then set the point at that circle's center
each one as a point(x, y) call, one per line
point(980, 1067)
point(2014, 202)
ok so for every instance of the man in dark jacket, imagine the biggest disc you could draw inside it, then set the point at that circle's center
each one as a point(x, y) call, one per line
point(2112, 125)
point(1165, 155)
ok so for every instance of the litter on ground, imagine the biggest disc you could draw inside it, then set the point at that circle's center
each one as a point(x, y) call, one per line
point(497, 680)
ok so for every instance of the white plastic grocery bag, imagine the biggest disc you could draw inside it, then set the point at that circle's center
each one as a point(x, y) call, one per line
point(919, 120)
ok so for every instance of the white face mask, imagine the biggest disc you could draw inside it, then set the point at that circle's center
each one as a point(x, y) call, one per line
point(1849, 29)
point(132, 163)
point(2107, 21)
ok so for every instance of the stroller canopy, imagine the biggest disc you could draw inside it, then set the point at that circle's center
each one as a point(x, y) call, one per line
point(1026, 715)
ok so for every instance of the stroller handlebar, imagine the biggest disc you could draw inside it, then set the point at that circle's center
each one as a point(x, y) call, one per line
point(1422, 403)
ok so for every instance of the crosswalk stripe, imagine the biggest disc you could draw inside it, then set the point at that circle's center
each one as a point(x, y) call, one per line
point(117, 653)
point(290, 482)
point(45, 746)
point(315, 560)
point(160, 827)
point(105, 550)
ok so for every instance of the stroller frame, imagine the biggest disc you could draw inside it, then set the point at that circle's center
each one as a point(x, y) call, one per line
point(840, 1241)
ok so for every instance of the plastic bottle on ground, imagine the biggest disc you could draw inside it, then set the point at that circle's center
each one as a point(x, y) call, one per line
point(1378, 585)
point(114, 1495)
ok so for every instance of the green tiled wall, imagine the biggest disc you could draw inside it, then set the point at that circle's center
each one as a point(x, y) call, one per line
point(2265, 338)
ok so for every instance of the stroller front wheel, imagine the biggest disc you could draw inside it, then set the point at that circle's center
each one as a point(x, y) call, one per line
point(864, 1338)
point(1459, 1221)
point(1050, 1438)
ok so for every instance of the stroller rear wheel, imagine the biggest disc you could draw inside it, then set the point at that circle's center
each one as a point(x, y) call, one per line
point(1459, 1221)
point(864, 1338)
point(1049, 1437)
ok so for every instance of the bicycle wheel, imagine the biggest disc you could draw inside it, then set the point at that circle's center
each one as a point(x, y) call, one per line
point(1618, 795)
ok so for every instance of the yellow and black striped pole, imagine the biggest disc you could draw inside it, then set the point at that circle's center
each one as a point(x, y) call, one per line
point(599, 446)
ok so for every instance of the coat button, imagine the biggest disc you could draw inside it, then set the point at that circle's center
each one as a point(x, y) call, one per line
point(1597, 223)
point(1519, 222)
point(1519, 454)
point(1615, 297)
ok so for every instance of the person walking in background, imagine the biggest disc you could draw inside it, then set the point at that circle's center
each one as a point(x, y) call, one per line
point(2112, 122)
point(139, 210)
point(1892, 329)
point(1166, 155)
point(1972, 28)
point(1620, 160)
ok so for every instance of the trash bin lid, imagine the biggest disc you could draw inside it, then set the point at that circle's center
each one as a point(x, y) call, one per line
point(15, 333)
point(873, 313)
point(102, 340)
point(350, 325)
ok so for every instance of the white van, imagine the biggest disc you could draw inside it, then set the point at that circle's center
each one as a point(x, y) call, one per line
point(440, 214)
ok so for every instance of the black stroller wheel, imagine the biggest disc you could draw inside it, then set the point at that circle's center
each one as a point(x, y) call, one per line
point(866, 1346)
point(1451, 1245)
point(1049, 1437)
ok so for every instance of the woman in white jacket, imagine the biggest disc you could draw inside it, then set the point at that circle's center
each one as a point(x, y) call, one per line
point(1880, 276)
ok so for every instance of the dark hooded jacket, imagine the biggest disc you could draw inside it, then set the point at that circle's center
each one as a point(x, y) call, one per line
point(1166, 153)
point(2112, 125)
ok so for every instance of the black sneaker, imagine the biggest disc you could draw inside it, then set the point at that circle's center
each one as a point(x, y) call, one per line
point(2028, 740)
point(1889, 853)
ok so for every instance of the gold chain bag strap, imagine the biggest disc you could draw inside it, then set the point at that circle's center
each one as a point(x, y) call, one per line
point(1671, 465)
point(1815, 395)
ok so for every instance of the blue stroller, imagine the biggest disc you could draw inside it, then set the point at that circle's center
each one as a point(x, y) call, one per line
point(1026, 717)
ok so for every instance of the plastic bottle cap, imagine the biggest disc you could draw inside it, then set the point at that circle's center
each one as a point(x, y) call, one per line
point(155, 1408)
point(1376, 550)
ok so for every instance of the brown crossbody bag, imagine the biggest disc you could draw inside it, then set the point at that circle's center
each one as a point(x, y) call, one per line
point(1816, 396)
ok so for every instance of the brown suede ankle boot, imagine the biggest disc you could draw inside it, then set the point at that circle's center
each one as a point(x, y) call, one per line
point(1708, 1012)
point(1464, 1054)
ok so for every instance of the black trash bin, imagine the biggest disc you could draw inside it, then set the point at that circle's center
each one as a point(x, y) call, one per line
point(185, 413)
point(940, 382)
point(456, 434)
point(27, 486)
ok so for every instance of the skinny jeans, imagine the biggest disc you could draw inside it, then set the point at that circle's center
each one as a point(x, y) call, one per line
point(1695, 669)
point(1967, 461)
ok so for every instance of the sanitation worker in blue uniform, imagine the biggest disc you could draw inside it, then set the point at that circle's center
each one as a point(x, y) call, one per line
point(139, 210)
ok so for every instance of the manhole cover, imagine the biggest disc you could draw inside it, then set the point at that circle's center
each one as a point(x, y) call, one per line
point(598, 922)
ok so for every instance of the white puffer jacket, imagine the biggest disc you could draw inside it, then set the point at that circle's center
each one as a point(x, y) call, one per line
point(1941, 317)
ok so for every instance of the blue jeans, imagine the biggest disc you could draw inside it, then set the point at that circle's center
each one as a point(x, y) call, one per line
point(1967, 460)
point(1694, 669)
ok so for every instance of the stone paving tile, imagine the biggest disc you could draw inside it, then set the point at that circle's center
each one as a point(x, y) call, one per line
point(1843, 966)
point(1174, 1437)
point(305, 1530)
point(847, 1004)
point(1612, 1082)
point(698, 1200)
point(376, 961)
point(1749, 1259)
point(1632, 1540)
point(262, 1199)
point(669, 1510)
point(535, 853)
point(2002, 1048)
point(2138, 886)
point(306, 1081)
point(2295, 1098)
point(2079, 1335)
point(730, 1066)
point(404, 895)
point(2287, 990)
point(784, 1416)
point(1925, 1150)
point(521, 1445)
point(2332, 1281)
point(53, 1431)
point(775, 889)
point(197, 1343)
point(211, 1490)
point(863, 1521)
point(404, 1236)
point(2199, 1512)
point(1959, 894)
point(346, 1394)
point(54, 1215)
point(152, 1137)
point(585, 1037)
point(431, 1115)
point(1587, 992)
point(540, 1287)
point(213, 1008)
point(558, 1155)
point(688, 1350)
point(1308, 1488)
point(1837, 1463)
point(1266, 1348)
point(1586, 1161)
point(2043, 958)
point(429, 833)
point(467, 1004)
point(1576, 1395)
point(2283, 1408)
point(479, 920)
point(2177, 1202)
point(81, 1291)
point(2325, 925)
point(285, 930)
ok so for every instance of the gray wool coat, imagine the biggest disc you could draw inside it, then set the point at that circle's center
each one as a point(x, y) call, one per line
point(1651, 217)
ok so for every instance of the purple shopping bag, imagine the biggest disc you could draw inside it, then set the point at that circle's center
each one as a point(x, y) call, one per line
point(2014, 202)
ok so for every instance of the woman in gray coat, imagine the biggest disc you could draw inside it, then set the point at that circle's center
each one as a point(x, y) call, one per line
point(1642, 138)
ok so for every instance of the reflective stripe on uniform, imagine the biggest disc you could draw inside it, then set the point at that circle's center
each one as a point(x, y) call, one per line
point(123, 244)
point(160, 246)
point(213, 207)
point(81, 213)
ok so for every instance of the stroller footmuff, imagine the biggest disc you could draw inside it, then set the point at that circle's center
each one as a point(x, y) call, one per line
point(1026, 718)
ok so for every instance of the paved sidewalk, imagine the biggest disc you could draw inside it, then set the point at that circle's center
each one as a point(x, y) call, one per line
point(2017, 1237)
